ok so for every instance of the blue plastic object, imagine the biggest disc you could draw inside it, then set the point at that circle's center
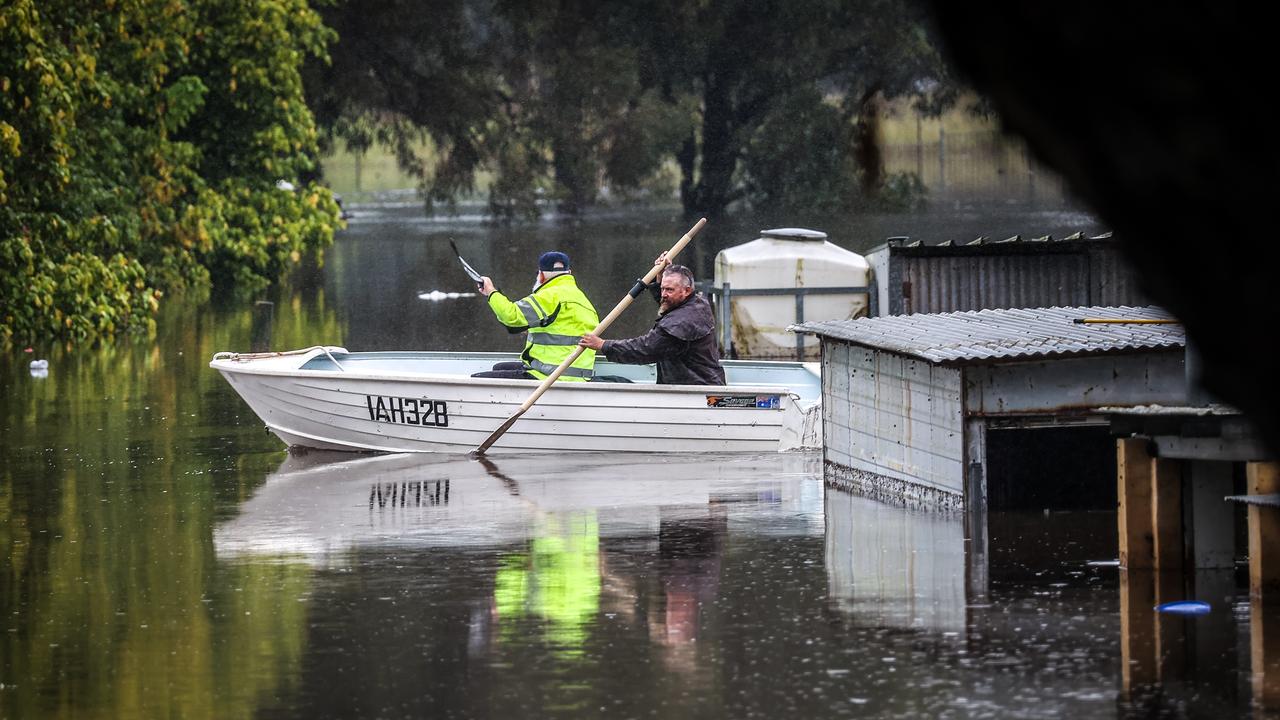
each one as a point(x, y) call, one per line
point(1184, 607)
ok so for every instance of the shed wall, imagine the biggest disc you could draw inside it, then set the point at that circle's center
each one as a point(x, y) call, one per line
point(893, 416)
point(1075, 384)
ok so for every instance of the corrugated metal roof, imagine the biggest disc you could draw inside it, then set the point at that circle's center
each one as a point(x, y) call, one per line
point(992, 335)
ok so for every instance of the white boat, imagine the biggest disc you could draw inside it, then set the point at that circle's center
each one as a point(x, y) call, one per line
point(325, 397)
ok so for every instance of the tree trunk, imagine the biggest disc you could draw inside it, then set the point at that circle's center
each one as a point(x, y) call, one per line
point(712, 193)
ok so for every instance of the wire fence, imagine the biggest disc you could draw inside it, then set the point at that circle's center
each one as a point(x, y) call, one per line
point(976, 165)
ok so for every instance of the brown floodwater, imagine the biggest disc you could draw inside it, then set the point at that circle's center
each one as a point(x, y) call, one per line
point(162, 556)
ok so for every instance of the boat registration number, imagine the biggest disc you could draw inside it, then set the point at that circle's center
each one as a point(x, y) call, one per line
point(408, 411)
point(769, 402)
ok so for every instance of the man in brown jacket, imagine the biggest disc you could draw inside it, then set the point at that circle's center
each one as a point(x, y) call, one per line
point(683, 340)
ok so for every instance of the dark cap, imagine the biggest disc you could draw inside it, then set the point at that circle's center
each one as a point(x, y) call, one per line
point(553, 262)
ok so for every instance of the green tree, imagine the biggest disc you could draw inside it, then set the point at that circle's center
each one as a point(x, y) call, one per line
point(140, 148)
point(545, 96)
point(561, 98)
point(786, 93)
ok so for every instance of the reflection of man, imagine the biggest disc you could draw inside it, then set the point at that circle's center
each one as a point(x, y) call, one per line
point(682, 341)
point(689, 552)
point(555, 315)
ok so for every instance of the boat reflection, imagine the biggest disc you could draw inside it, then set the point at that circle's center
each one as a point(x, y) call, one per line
point(545, 548)
point(318, 509)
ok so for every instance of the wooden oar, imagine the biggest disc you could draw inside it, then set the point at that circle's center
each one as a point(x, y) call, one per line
point(604, 325)
point(1121, 321)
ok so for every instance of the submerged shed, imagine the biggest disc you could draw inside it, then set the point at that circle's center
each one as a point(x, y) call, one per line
point(910, 402)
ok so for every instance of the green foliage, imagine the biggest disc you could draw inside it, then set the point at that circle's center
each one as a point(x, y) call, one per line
point(561, 100)
point(902, 192)
point(139, 154)
point(804, 157)
point(801, 157)
point(107, 553)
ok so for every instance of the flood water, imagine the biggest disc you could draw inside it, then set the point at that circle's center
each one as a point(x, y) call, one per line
point(162, 556)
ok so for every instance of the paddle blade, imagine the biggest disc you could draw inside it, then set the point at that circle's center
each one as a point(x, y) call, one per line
point(493, 437)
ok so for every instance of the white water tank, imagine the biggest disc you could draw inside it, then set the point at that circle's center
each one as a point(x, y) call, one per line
point(788, 258)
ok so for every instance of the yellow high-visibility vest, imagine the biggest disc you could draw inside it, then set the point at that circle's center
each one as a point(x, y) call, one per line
point(555, 314)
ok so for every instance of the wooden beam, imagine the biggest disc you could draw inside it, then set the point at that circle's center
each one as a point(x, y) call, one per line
point(1166, 513)
point(1135, 512)
point(1138, 659)
point(1263, 478)
point(1170, 629)
point(1264, 652)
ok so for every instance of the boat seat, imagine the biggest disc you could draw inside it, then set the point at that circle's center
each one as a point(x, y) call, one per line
point(610, 379)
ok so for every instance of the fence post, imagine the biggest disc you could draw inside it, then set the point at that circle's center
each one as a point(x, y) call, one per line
point(726, 321)
point(942, 159)
point(1031, 177)
point(799, 319)
point(919, 147)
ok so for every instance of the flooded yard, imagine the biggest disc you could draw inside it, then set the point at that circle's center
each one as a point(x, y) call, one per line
point(162, 556)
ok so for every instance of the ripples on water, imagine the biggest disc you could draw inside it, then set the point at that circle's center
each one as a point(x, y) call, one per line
point(162, 556)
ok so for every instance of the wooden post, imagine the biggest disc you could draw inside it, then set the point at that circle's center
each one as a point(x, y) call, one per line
point(942, 159)
point(1264, 652)
point(1133, 476)
point(1263, 478)
point(1166, 513)
point(1138, 667)
point(977, 558)
point(1264, 529)
point(1170, 630)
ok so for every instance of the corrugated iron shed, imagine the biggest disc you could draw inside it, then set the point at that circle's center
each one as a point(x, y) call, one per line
point(986, 274)
point(1009, 334)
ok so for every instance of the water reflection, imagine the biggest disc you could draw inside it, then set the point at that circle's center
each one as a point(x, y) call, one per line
point(544, 584)
point(894, 567)
point(114, 464)
point(318, 505)
point(1168, 657)
point(160, 555)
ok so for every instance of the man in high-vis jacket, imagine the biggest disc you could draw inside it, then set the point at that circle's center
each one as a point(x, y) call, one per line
point(554, 316)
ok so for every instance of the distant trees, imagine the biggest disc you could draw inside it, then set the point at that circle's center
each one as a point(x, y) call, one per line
point(757, 100)
point(141, 142)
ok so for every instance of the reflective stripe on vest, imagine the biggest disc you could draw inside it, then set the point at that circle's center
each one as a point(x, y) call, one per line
point(570, 371)
point(545, 338)
point(532, 313)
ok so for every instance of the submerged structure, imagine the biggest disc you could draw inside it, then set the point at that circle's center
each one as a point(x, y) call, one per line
point(913, 405)
point(908, 400)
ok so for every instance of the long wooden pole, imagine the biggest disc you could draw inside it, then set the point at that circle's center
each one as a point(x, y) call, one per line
point(1134, 321)
point(604, 325)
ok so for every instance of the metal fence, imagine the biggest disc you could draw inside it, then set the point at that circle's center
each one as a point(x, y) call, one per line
point(975, 165)
point(722, 298)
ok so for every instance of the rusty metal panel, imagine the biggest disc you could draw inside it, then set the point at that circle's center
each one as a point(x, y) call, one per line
point(893, 416)
point(1075, 385)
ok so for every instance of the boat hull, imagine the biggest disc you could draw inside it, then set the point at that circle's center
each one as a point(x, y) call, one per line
point(363, 408)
